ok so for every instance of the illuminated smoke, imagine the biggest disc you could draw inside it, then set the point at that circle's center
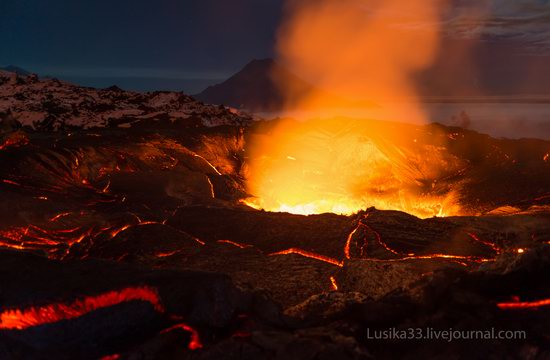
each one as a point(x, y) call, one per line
point(362, 54)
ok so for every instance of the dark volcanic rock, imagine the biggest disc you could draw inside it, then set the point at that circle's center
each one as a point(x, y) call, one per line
point(151, 214)
point(269, 232)
point(204, 300)
point(379, 278)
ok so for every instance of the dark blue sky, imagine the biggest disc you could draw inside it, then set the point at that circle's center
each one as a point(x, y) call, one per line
point(175, 39)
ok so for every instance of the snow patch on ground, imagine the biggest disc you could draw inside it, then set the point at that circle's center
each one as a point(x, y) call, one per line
point(50, 104)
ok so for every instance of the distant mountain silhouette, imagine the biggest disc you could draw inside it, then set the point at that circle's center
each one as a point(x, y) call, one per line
point(256, 88)
point(16, 69)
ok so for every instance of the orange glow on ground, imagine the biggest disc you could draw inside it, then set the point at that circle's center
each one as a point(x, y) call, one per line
point(194, 343)
point(343, 167)
point(524, 305)
point(310, 255)
point(17, 319)
point(15, 140)
point(111, 357)
point(236, 244)
point(36, 238)
point(495, 248)
point(348, 241)
point(334, 283)
point(475, 259)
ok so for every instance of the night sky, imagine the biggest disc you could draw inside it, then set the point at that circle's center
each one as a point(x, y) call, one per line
point(173, 39)
point(188, 44)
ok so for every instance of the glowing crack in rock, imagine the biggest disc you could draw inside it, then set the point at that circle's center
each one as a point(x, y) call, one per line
point(310, 255)
point(19, 319)
point(516, 305)
point(234, 243)
point(334, 283)
point(194, 343)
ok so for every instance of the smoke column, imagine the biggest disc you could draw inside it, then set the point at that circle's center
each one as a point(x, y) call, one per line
point(360, 54)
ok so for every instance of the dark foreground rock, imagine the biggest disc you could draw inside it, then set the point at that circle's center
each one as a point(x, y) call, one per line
point(133, 243)
point(233, 323)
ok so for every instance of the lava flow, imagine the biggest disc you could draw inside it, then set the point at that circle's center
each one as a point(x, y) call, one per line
point(516, 305)
point(194, 343)
point(333, 283)
point(19, 319)
point(36, 238)
point(366, 229)
point(310, 255)
point(16, 140)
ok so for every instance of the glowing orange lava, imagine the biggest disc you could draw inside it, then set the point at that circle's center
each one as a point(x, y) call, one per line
point(111, 357)
point(349, 239)
point(17, 319)
point(495, 248)
point(341, 167)
point(310, 255)
point(524, 305)
point(195, 342)
point(236, 244)
point(34, 237)
point(166, 254)
point(334, 283)
point(476, 259)
point(15, 140)
point(11, 319)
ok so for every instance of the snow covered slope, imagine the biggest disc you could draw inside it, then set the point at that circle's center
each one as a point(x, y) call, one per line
point(50, 104)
